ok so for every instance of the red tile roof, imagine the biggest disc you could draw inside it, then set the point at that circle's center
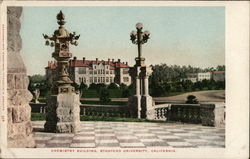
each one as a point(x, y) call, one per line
point(89, 63)
point(218, 72)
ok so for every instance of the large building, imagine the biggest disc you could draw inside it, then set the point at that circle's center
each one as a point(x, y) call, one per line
point(93, 71)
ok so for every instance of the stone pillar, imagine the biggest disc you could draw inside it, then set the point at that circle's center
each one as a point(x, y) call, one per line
point(213, 114)
point(141, 104)
point(147, 103)
point(63, 106)
point(19, 124)
point(134, 102)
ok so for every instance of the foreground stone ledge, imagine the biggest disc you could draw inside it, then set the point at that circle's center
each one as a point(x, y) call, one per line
point(213, 114)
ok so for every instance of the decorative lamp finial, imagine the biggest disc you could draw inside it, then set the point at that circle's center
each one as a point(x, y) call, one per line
point(60, 18)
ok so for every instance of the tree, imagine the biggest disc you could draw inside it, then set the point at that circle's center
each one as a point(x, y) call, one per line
point(191, 99)
point(104, 95)
point(126, 93)
point(220, 68)
point(113, 86)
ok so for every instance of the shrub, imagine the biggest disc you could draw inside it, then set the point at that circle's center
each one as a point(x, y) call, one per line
point(191, 99)
point(104, 95)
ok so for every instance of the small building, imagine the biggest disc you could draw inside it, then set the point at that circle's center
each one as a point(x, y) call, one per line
point(94, 71)
point(194, 77)
point(218, 75)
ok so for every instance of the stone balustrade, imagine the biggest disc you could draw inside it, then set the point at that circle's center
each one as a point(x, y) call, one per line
point(207, 114)
point(104, 110)
point(90, 110)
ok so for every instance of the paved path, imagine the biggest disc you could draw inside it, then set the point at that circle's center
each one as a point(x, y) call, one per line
point(133, 135)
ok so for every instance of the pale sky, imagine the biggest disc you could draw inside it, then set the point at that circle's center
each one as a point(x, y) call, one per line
point(179, 35)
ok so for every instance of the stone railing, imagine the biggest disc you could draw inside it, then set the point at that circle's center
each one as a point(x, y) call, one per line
point(161, 111)
point(104, 110)
point(207, 114)
point(90, 110)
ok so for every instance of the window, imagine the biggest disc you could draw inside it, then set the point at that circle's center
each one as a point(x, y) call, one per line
point(107, 79)
point(82, 70)
point(111, 72)
point(125, 71)
point(95, 79)
point(99, 80)
point(125, 79)
point(107, 72)
point(111, 80)
point(91, 79)
point(90, 72)
point(95, 72)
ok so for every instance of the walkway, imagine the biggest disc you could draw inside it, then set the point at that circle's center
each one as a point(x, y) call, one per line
point(133, 135)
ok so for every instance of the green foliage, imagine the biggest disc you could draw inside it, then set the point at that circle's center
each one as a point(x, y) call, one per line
point(167, 79)
point(104, 95)
point(39, 82)
point(37, 116)
point(77, 86)
point(113, 86)
point(126, 93)
point(191, 99)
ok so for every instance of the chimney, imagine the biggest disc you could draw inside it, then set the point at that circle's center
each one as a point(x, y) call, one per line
point(108, 59)
point(126, 63)
point(112, 60)
point(119, 60)
point(75, 58)
point(48, 63)
point(83, 59)
point(96, 59)
point(123, 62)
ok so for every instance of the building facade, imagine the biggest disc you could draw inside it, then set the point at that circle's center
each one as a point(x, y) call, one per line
point(216, 75)
point(93, 71)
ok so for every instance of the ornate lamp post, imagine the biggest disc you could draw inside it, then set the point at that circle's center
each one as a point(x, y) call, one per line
point(60, 40)
point(63, 106)
point(139, 37)
point(141, 104)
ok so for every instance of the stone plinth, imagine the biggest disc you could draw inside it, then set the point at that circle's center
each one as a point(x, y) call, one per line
point(147, 107)
point(63, 113)
point(141, 104)
point(133, 103)
point(19, 124)
point(213, 114)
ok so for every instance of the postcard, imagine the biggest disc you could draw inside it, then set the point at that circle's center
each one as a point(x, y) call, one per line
point(124, 79)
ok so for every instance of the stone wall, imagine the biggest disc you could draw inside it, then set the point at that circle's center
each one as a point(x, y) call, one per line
point(19, 124)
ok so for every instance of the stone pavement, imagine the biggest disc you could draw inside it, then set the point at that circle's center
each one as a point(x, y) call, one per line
point(132, 135)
